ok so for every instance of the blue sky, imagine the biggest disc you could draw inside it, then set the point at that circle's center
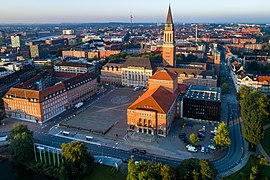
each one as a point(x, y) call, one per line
point(57, 11)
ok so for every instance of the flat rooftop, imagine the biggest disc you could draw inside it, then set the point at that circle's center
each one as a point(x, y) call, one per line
point(203, 93)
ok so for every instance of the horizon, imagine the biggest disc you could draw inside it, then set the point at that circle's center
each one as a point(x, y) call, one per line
point(105, 11)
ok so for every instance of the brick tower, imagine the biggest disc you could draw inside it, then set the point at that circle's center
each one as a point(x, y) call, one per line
point(168, 49)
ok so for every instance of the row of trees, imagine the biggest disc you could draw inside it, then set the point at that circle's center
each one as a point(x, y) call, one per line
point(188, 169)
point(77, 162)
point(254, 106)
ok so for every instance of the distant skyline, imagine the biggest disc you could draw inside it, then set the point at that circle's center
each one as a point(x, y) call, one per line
point(86, 11)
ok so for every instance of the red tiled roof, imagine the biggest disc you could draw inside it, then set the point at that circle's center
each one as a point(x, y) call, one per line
point(158, 99)
point(263, 78)
point(164, 75)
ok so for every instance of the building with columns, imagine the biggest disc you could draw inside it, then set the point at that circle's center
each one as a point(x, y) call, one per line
point(168, 49)
point(154, 111)
point(136, 72)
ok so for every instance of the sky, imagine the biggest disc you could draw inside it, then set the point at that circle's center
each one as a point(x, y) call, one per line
point(88, 11)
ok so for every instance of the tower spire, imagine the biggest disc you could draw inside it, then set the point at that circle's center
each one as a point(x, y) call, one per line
point(169, 16)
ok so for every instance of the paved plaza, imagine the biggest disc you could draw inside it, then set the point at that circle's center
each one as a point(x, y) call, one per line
point(107, 115)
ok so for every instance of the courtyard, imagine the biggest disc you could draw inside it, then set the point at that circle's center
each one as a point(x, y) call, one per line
point(107, 115)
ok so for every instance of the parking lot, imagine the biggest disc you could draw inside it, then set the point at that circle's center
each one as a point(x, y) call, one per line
point(107, 115)
point(200, 129)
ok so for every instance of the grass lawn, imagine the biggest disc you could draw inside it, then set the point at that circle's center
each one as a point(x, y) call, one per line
point(246, 170)
point(265, 142)
point(103, 172)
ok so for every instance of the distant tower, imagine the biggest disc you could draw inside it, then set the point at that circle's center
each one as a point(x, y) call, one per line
point(196, 38)
point(131, 22)
point(168, 49)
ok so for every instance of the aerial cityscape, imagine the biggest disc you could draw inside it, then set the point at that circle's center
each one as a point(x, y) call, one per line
point(135, 90)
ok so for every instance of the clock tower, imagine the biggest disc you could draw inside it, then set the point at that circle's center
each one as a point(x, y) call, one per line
point(168, 48)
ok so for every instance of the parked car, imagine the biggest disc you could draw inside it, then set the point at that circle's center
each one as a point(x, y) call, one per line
point(206, 149)
point(199, 147)
point(190, 125)
point(211, 146)
point(203, 149)
point(142, 151)
point(135, 150)
point(192, 149)
point(137, 88)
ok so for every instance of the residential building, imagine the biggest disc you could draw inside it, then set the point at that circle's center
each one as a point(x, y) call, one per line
point(47, 95)
point(16, 41)
point(136, 72)
point(74, 67)
point(201, 103)
point(168, 51)
point(154, 111)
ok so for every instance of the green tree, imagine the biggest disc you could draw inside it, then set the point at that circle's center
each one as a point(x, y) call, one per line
point(194, 139)
point(254, 111)
point(222, 137)
point(225, 87)
point(254, 172)
point(147, 170)
point(77, 160)
point(207, 171)
point(21, 144)
point(167, 172)
point(196, 169)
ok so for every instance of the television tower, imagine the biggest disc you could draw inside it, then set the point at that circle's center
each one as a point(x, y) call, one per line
point(131, 22)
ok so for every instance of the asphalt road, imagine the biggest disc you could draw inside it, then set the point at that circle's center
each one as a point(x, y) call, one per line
point(55, 141)
point(236, 149)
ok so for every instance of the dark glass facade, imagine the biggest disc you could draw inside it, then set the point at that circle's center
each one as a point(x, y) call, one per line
point(201, 109)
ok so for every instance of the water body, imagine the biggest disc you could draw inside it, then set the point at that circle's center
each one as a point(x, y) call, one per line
point(11, 172)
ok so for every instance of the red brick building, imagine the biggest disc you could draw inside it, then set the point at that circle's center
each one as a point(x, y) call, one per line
point(168, 49)
point(47, 95)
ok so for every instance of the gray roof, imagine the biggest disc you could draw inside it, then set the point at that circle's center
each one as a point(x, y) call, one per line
point(138, 62)
point(203, 93)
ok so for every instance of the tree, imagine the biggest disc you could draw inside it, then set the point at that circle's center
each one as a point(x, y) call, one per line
point(77, 161)
point(254, 111)
point(225, 87)
point(21, 144)
point(207, 171)
point(196, 169)
point(147, 170)
point(194, 139)
point(222, 137)
point(254, 172)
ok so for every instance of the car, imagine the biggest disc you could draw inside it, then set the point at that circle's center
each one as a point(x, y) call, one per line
point(187, 146)
point(192, 149)
point(135, 150)
point(203, 128)
point(190, 126)
point(137, 162)
point(203, 149)
point(142, 151)
point(211, 146)
point(131, 156)
point(206, 149)
point(137, 88)
point(183, 138)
